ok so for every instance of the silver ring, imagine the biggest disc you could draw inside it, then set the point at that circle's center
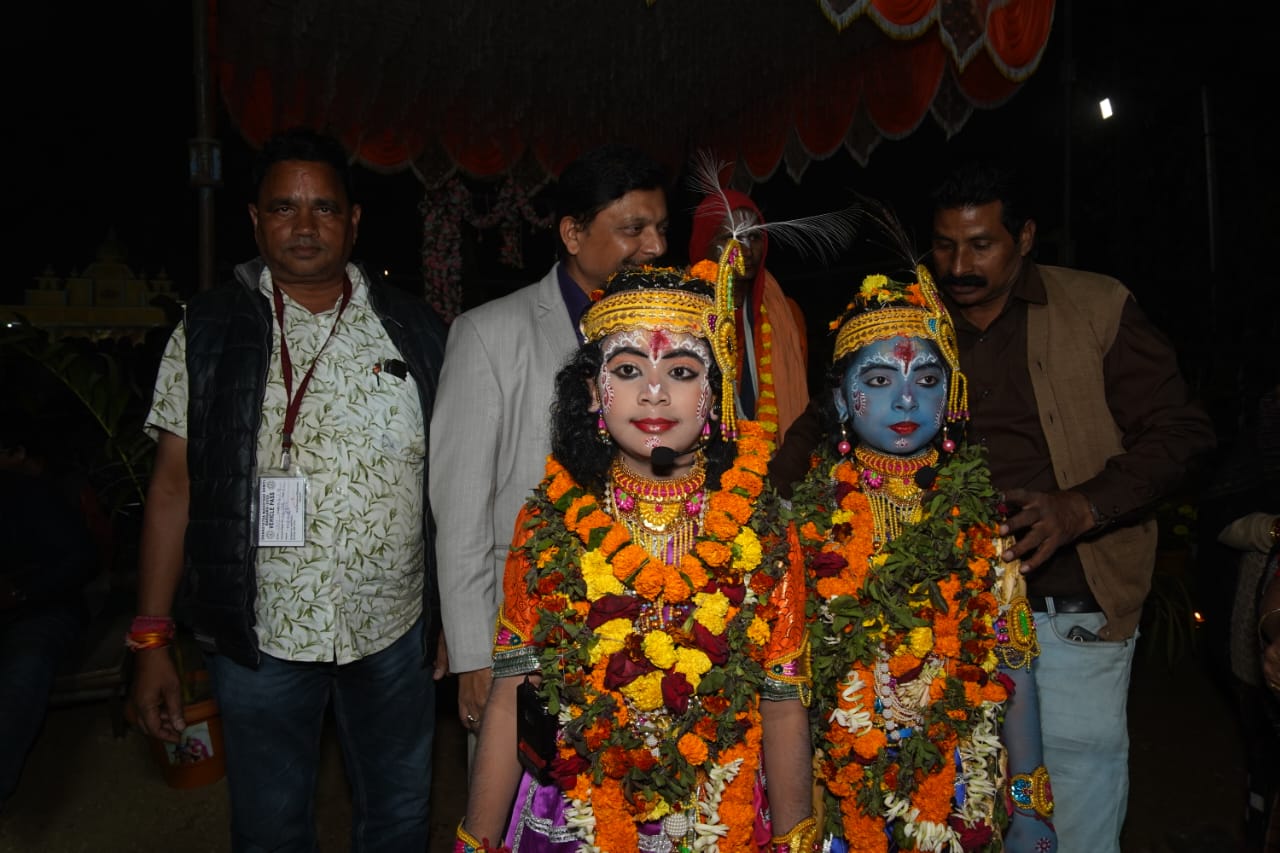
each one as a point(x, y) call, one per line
point(471, 719)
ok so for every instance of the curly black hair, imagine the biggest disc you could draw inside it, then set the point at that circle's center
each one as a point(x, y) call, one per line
point(575, 443)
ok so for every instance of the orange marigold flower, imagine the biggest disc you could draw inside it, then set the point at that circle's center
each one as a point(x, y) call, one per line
point(735, 506)
point(614, 539)
point(705, 728)
point(613, 761)
point(559, 484)
point(580, 505)
point(675, 588)
point(693, 748)
point(993, 691)
point(627, 560)
point(901, 664)
point(809, 532)
point(692, 567)
point(721, 526)
point(869, 743)
point(933, 795)
point(652, 580)
point(714, 554)
point(705, 270)
point(596, 519)
point(615, 820)
point(862, 833)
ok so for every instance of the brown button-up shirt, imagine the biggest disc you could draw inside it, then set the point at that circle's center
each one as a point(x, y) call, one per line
point(1141, 377)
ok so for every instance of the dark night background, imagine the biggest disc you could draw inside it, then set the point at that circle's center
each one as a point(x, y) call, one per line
point(101, 105)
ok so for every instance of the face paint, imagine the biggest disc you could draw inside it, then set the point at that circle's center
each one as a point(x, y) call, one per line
point(895, 392)
point(655, 390)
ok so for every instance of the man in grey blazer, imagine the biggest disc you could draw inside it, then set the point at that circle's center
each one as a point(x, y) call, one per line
point(490, 429)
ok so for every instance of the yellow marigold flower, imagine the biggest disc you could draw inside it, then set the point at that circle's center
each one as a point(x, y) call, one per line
point(840, 516)
point(547, 556)
point(609, 639)
point(920, 640)
point(645, 692)
point(746, 549)
point(694, 663)
point(693, 748)
point(758, 631)
point(598, 575)
point(879, 560)
point(660, 648)
point(873, 283)
point(712, 607)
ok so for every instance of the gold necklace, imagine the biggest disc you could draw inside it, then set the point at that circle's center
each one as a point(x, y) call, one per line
point(662, 516)
point(890, 486)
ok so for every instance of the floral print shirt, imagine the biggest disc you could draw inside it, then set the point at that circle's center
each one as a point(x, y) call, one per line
point(360, 439)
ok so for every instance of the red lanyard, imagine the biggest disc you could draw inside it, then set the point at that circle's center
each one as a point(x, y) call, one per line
point(294, 403)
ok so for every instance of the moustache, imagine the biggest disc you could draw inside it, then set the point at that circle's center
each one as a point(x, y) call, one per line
point(962, 281)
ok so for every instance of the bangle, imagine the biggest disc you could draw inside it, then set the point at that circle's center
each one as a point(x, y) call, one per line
point(1263, 637)
point(149, 632)
point(1032, 792)
point(465, 842)
point(802, 838)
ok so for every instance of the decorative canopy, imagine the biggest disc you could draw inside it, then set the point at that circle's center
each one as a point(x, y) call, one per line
point(493, 88)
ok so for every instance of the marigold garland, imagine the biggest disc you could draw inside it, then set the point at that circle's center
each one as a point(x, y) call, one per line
point(914, 609)
point(696, 679)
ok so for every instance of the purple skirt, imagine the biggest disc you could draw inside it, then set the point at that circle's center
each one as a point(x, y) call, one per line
point(538, 824)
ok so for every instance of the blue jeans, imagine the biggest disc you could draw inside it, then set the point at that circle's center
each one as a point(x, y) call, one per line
point(272, 719)
point(1083, 686)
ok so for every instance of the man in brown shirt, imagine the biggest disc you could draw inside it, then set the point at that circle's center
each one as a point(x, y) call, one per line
point(1079, 401)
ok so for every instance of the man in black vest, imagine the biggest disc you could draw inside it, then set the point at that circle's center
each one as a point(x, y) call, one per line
point(289, 500)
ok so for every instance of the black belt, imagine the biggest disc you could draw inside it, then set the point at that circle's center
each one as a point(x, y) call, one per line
point(1065, 603)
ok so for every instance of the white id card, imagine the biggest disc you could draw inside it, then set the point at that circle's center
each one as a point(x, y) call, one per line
point(282, 509)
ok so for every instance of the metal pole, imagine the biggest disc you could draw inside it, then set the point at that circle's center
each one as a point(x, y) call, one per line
point(203, 150)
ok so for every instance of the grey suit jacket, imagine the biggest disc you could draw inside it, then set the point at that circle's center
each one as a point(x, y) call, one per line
point(490, 437)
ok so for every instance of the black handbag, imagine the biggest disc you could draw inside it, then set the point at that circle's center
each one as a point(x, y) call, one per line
point(535, 732)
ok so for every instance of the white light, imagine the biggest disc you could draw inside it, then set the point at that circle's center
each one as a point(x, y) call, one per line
point(1104, 107)
point(386, 273)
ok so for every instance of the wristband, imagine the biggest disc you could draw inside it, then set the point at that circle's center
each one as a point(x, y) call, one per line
point(1032, 792)
point(465, 842)
point(802, 838)
point(149, 632)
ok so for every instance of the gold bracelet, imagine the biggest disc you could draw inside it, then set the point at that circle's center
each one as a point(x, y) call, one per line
point(1031, 792)
point(802, 838)
point(1263, 637)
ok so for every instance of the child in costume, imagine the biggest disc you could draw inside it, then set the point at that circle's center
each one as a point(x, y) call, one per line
point(926, 725)
point(654, 605)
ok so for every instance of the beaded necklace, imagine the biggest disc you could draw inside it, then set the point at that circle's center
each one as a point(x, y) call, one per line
point(662, 516)
point(889, 482)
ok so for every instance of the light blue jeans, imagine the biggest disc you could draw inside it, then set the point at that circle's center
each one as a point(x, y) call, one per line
point(272, 720)
point(1083, 687)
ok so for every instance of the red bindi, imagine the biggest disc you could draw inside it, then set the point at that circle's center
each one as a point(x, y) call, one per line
point(658, 343)
point(904, 351)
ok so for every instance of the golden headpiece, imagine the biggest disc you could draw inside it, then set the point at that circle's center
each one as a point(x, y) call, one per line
point(884, 308)
point(662, 299)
